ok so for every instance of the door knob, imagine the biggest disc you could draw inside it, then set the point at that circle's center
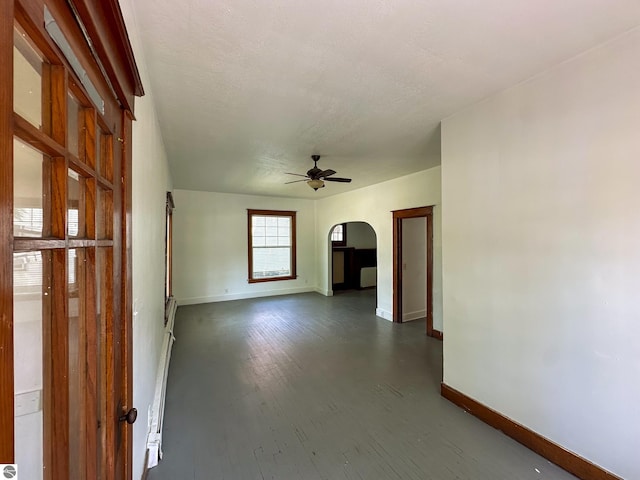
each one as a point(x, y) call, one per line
point(129, 417)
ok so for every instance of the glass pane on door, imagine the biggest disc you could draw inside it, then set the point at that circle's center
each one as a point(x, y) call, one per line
point(77, 358)
point(76, 206)
point(75, 121)
point(27, 79)
point(30, 215)
point(31, 295)
point(104, 305)
point(105, 155)
point(104, 212)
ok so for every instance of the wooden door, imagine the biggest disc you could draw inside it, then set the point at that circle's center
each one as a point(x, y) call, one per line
point(65, 334)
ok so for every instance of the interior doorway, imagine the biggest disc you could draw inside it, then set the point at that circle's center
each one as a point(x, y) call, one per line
point(414, 269)
point(353, 257)
point(408, 222)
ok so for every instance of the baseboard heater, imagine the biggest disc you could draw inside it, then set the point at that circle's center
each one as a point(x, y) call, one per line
point(154, 441)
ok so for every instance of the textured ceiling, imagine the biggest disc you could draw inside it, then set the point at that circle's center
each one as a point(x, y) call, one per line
point(248, 89)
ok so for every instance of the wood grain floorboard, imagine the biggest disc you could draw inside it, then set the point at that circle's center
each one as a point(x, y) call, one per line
point(313, 387)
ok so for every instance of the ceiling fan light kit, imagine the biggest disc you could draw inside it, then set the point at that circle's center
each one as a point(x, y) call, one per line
point(315, 184)
point(317, 177)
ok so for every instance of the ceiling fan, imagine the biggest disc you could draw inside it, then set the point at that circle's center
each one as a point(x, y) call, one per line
point(315, 177)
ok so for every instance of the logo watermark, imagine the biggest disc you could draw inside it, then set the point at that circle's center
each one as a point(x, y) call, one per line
point(8, 470)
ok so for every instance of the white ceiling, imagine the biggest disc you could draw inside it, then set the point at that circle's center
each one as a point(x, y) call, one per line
point(248, 89)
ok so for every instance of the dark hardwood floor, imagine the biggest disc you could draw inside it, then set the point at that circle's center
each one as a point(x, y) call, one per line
point(313, 387)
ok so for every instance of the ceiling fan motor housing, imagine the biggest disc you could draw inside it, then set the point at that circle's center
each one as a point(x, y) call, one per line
point(312, 174)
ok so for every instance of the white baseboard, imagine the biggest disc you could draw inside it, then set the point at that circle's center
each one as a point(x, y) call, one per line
point(326, 293)
point(154, 439)
point(242, 296)
point(384, 314)
point(418, 314)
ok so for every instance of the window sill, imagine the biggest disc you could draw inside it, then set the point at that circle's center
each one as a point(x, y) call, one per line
point(271, 279)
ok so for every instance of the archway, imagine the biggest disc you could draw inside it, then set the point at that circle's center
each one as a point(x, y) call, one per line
point(353, 257)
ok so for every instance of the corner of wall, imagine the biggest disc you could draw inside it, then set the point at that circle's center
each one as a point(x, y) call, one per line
point(384, 314)
point(323, 291)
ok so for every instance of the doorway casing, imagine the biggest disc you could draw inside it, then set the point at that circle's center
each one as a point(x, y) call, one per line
point(398, 216)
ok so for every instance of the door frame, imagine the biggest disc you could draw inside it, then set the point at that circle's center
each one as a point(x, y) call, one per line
point(398, 217)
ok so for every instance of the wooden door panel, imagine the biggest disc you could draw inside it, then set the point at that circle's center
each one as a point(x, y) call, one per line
point(73, 196)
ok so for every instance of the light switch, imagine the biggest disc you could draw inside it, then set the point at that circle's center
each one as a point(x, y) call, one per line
point(28, 402)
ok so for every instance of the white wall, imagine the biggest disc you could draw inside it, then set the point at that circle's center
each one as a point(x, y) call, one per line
point(360, 235)
point(210, 246)
point(414, 268)
point(373, 205)
point(541, 257)
point(151, 181)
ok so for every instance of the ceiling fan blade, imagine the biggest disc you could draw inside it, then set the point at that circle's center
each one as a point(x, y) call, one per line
point(296, 174)
point(296, 181)
point(337, 179)
point(326, 173)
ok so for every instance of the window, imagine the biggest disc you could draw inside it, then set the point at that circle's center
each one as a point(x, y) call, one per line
point(339, 235)
point(27, 221)
point(272, 245)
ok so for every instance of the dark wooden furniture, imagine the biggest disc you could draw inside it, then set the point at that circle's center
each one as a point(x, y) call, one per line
point(355, 259)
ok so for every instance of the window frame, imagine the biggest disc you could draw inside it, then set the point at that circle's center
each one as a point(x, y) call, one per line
point(271, 213)
point(343, 242)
